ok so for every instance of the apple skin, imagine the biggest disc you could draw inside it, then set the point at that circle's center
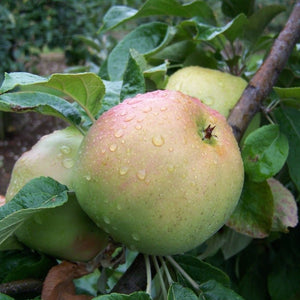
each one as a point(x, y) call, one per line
point(219, 90)
point(64, 232)
point(147, 176)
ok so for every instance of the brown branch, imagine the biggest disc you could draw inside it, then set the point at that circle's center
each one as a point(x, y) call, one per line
point(22, 287)
point(262, 82)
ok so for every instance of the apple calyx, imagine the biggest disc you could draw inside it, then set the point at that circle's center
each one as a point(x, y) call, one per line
point(208, 132)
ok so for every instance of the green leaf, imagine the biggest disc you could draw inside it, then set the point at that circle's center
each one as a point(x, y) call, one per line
point(133, 79)
point(38, 194)
point(285, 207)
point(201, 271)
point(158, 75)
point(207, 32)
point(289, 122)
point(179, 292)
point(18, 265)
point(133, 296)
point(5, 297)
point(112, 95)
point(85, 88)
point(146, 39)
point(254, 212)
point(117, 15)
point(288, 93)
point(264, 152)
point(260, 19)
point(43, 103)
point(231, 8)
point(213, 290)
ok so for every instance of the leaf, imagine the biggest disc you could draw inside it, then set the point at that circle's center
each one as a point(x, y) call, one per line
point(254, 212)
point(213, 290)
point(234, 242)
point(201, 271)
point(231, 8)
point(133, 296)
point(85, 88)
point(289, 122)
point(38, 194)
point(43, 103)
point(260, 19)
point(287, 93)
point(158, 75)
point(264, 152)
point(207, 32)
point(133, 79)
point(5, 297)
point(59, 282)
point(285, 207)
point(117, 15)
point(18, 265)
point(179, 292)
point(146, 39)
point(112, 95)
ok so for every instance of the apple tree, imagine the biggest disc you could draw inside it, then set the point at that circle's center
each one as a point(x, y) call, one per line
point(253, 253)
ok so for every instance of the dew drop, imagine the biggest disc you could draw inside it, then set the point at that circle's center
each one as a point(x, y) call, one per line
point(163, 108)
point(123, 113)
point(113, 147)
point(171, 149)
point(119, 133)
point(65, 149)
point(135, 237)
point(138, 126)
point(141, 174)
point(158, 140)
point(106, 220)
point(68, 163)
point(171, 168)
point(129, 118)
point(123, 170)
point(103, 151)
point(147, 109)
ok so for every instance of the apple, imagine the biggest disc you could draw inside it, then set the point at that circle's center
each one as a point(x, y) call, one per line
point(217, 89)
point(160, 172)
point(65, 232)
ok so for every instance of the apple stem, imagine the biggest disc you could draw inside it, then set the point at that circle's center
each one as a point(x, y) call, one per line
point(166, 270)
point(148, 272)
point(159, 273)
point(192, 282)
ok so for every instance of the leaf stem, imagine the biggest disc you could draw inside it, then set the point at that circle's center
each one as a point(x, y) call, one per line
point(166, 270)
point(162, 283)
point(192, 282)
point(148, 272)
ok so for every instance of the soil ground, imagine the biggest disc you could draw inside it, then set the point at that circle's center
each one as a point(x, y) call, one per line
point(24, 130)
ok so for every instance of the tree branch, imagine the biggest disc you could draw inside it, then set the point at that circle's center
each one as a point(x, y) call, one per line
point(265, 78)
point(22, 287)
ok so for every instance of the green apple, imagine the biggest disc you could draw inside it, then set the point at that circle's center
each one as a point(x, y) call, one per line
point(65, 232)
point(161, 172)
point(217, 89)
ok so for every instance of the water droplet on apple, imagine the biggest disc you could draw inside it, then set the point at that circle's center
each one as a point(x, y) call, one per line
point(123, 170)
point(135, 237)
point(129, 118)
point(106, 220)
point(158, 140)
point(147, 109)
point(103, 151)
point(171, 149)
point(65, 149)
point(123, 113)
point(138, 126)
point(68, 163)
point(119, 133)
point(113, 147)
point(171, 168)
point(163, 108)
point(141, 174)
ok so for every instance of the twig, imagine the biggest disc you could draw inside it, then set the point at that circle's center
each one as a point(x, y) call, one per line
point(265, 78)
point(22, 287)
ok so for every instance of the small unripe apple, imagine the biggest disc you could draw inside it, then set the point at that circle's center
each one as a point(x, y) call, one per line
point(161, 172)
point(66, 231)
point(218, 90)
